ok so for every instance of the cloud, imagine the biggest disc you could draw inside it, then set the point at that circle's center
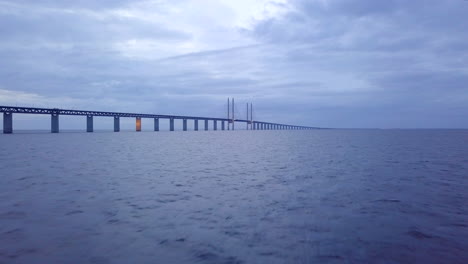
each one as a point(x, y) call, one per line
point(334, 63)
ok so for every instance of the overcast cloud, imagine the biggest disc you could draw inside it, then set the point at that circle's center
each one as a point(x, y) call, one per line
point(328, 63)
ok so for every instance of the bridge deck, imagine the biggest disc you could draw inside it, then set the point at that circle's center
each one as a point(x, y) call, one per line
point(57, 111)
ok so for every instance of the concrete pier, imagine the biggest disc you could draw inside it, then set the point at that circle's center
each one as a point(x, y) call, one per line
point(116, 124)
point(7, 123)
point(89, 123)
point(171, 124)
point(215, 125)
point(185, 124)
point(156, 124)
point(195, 124)
point(206, 124)
point(138, 124)
point(54, 126)
point(222, 125)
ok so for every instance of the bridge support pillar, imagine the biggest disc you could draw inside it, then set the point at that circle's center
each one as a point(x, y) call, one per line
point(206, 124)
point(215, 125)
point(89, 123)
point(222, 125)
point(54, 126)
point(7, 123)
point(138, 124)
point(116, 124)
point(171, 124)
point(195, 124)
point(156, 124)
point(185, 124)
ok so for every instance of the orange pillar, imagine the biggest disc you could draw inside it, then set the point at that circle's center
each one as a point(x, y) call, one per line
point(138, 124)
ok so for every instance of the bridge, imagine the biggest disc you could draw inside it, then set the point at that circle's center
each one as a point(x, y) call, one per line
point(55, 113)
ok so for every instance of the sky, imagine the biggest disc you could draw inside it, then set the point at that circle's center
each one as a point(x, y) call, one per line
point(321, 63)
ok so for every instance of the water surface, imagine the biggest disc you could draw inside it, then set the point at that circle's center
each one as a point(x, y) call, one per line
point(321, 196)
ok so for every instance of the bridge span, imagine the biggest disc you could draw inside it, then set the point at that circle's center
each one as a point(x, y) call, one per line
point(55, 113)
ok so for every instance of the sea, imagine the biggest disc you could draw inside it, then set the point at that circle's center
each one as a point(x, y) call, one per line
point(315, 196)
